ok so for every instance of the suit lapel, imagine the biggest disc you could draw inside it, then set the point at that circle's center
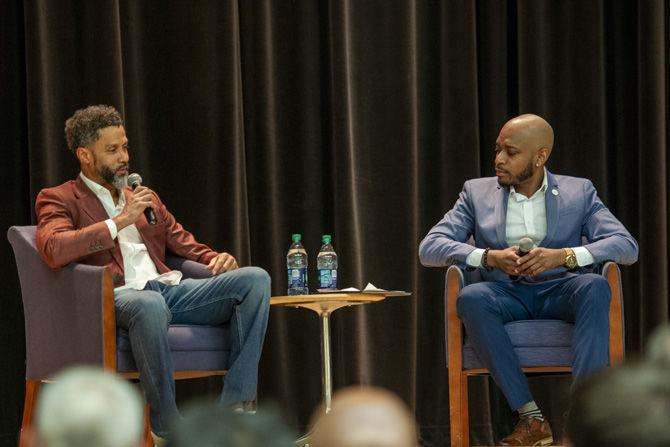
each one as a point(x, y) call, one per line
point(89, 202)
point(552, 203)
point(501, 196)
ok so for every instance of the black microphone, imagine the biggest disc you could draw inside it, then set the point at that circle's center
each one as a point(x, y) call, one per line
point(135, 180)
point(526, 244)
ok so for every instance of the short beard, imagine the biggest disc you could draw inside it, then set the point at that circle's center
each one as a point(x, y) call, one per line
point(522, 177)
point(109, 176)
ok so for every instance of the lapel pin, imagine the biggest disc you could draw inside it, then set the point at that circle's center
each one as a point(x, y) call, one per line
point(554, 191)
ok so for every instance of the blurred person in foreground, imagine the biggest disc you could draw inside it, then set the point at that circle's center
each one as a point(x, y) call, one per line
point(87, 407)
point(364, 417)
point(205, 424)
point(658, 348)
point(622, 407)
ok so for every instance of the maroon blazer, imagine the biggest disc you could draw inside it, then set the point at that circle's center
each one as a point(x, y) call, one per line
point(71, 227)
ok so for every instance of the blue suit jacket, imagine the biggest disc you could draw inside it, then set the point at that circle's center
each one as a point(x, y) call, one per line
point(575, 212)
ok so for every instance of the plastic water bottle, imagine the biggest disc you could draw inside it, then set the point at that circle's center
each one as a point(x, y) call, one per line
point(326, 263)
point(296, 262)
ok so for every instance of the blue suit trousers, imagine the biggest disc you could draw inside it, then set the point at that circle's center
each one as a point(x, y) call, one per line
point(485, 307)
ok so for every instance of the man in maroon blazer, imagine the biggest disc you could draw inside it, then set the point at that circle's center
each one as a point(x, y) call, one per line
point(97, 219)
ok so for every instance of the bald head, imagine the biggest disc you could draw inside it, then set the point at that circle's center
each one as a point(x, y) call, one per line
point(365, 417)
point(532, 129)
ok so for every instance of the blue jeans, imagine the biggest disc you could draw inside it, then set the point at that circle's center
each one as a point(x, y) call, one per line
point(485, 307)
point(241, 297)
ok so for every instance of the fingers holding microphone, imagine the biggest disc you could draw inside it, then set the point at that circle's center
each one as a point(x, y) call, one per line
point(135, 182)
point(536, 260)
point(136, 203)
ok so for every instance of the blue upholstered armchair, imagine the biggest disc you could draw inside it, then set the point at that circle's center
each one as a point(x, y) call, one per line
point(541, 345)
point(70, 320)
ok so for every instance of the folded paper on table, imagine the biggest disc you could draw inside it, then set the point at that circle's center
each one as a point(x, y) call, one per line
point(369, 288)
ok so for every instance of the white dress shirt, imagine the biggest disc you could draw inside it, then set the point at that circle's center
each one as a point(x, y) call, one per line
point(138, 268)
point(527, 217)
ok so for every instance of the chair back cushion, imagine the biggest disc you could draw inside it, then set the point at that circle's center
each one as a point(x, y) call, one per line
point(536, 343)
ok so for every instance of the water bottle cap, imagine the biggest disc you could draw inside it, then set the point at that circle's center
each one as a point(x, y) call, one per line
point(296, 237)
point(326, 238)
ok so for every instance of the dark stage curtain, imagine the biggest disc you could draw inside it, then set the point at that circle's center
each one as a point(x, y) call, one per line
point(362, 119)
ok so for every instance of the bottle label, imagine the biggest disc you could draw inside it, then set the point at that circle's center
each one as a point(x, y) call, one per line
point(297, 278)
point(327, 279)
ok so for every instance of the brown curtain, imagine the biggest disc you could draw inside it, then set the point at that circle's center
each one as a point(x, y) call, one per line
point(257, 119)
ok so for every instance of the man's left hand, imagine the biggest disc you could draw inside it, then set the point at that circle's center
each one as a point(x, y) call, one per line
point(221, 263)
point(539, 260)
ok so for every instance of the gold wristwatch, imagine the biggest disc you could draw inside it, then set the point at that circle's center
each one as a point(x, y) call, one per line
point(570, 259)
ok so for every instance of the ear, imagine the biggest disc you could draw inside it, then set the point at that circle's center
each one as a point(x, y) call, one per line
point(84, 156)
point(541, 156)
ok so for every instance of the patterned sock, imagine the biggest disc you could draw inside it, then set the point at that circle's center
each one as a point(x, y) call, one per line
point(530, 409)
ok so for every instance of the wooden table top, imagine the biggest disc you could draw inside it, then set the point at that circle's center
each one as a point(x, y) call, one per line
point(353, 297)
point(325, 303)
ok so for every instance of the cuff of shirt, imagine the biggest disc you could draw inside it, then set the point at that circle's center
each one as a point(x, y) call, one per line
point(583, 255)
point(112, 228)
point(474, 259)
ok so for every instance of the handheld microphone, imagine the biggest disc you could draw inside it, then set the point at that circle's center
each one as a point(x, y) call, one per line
point(135, 180)
point(526, 244)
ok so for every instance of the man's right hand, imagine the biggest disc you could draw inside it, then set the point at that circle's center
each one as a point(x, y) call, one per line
point(136, 203)
point(504, 260)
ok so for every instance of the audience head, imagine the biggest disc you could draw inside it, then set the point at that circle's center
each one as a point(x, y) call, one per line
point(365, 417)
point(658, 349)
point(86, 407)
point(208, 424)
point(622, 407)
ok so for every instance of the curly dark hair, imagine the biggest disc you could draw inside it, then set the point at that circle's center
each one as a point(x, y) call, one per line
point(81, 129)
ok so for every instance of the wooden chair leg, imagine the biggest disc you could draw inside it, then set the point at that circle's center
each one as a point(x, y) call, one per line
point(465, 414)
point(458, 409)
point(32, 390)
point(148, 440)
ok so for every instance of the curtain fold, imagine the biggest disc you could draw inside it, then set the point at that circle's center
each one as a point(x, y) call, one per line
point(257, 119)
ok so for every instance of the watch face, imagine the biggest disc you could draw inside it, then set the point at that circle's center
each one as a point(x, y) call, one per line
point(571, 261)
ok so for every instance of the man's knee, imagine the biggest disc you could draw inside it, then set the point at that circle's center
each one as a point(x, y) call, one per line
point(597, 290)
point(254, 283)
point(256, 276)
point(472, 300)
point(148, 304)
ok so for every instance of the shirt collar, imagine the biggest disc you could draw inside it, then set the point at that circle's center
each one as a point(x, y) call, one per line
point(100, 190)
point(519, 197)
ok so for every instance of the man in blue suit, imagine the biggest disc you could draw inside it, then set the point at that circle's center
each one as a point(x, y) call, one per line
point(556, 212)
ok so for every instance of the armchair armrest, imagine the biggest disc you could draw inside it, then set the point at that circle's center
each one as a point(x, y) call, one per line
point(454, 282)
point(67, 313)
point(612, 273)
point(190, 269)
